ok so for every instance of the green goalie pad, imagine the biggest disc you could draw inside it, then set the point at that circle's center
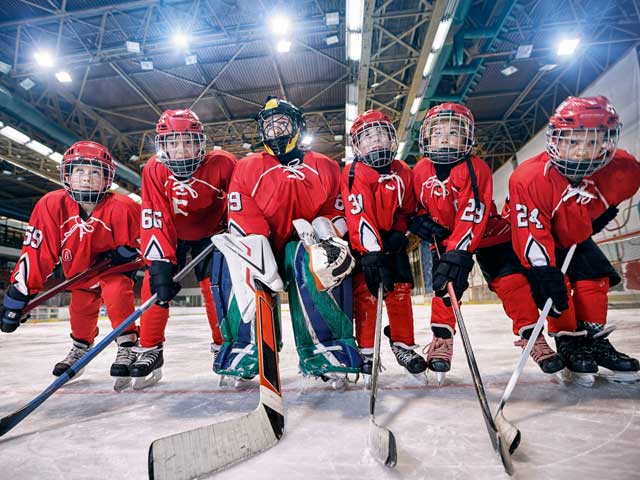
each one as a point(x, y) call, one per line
point(322, 320)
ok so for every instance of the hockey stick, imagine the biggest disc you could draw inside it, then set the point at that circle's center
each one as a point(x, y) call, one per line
point(499, 444)
point(508, 430)
point(214, 447)
point(10, 421)
point(103, 266)
point(382, 442)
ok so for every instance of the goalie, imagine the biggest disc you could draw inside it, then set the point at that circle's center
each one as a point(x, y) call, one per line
point(276, 194)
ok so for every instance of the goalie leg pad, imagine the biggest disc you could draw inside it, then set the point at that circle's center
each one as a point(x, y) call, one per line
point(322, 320)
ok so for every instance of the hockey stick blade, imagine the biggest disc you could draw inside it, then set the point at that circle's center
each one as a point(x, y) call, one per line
point(508, 432)
point(214, 447)
point(382, 442)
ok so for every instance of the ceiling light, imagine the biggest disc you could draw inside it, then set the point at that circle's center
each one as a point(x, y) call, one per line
point(283, 46)
point(508, 70)
point(279, 24)
point(441, 34)
point(354, 14)
point(44, 58)
point(332, 18)
point(63, 77)
point(180, 40)
point(307, 139)
point(27, 83)
point(15, 135)
point(331, 40)
point(40, 148)
point(567, 46)
point(428, 67)
point(415, 106)
point(524, 51)
point(56, 157)
point(191, 59)
point(133, 47)
point(146, 65)
point(355, 46)
point(547, 67)
point(5, 67)
point(246, 146)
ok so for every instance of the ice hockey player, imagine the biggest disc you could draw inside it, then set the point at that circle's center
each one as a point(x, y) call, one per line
point(77, 226)
point(564, 196)
point(269, 192)
point(448, 184)
point(184, 191)
point(379, 199)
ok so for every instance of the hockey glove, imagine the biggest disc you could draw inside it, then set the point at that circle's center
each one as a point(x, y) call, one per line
point(330, 261)
point(603, 220)
point(548, 282)
point(161, 282)
point(11, 310)
point(426, 228)
point(122, 254)
point(454, 267)
point(375, 266)
point(394, 242)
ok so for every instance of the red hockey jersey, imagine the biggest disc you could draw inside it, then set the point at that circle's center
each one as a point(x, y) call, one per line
point(451, 202)
point(547, 212)
point(57, 233)
point(266, 196)
point(185, 210)
point(377, 203)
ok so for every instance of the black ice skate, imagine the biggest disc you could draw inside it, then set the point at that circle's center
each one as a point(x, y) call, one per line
point(120, 368)
point(407, 357)
point(578, 358)
point(147, 369)
point(79, 348)
point(623, 368)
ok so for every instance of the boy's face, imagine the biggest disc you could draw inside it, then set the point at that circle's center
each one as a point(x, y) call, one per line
point(375, 138)
point(277, 125)
point(180, 146)
point(580, 145)
point(87, 178)
point(449, 133)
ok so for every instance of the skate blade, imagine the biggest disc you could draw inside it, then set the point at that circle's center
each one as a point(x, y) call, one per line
point(144, 382)
point(567, 377)
point(75, 377)
point(367, 381)
point(421, 378)
point(121, 383)
point(441, 378)
point(614, 376)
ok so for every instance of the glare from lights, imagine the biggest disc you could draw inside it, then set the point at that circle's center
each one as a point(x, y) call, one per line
point(375, 85)
point(351, 111)
point(135, 197)
point(134, 158)
point(547, 67)
point(279, 24)
point(508, 70)
point(348, 124)
point(7, 172)
point(246, 146)
point(338, 138)
point(332, 40)
point(307, 140)
point(63, 77)
point(332, 18)
point(40, 148)
point(44, 59)
point(355, 46)
point(567, 46)
point(400, 149)
point(181, 40)
point(415, 105)
point(441, 34)
point(217, 147)
point(27, 84)
point(428, 67)
point(146, 65)
point(354, 14)
point(191, 59)
point(524, 51)
point(283, 46)
point(56, 157)
point(133, 47)
point(15, 135)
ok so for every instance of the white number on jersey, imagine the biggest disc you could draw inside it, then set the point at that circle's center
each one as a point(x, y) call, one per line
point(32, 237)
point(151, 219)
point(235, 201)
point(339, 205)
point(357, 202)
point(473, 214)
point(521, 217)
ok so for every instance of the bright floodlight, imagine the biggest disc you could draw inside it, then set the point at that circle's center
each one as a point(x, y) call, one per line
point(56, 157)
point(279, 24)
point(400, 150)
point(283, 46)
point(415, 106)
point(44, 58)
point(181, 40)
point(15, 135)
point(307, 139)
point(355, 46)
point(508, 70)
point(63, 77)
point(567, 46)
point(40, 148)
point(354, 14)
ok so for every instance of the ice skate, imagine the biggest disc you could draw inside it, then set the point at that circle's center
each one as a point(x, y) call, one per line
point(146, 370)
point(79, 348)
point(120, 368)
point(618, 367)
point(577, 356)
point(408, 358)
point(548, 360)
point(440, 352)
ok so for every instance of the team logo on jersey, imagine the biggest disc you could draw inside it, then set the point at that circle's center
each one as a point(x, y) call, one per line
point(66, 255)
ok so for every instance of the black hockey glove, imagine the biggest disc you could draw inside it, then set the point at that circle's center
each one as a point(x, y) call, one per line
point(548, 282)
point(454, 267)
point(122, 254)
point(375, 266)
point(603, 220)
point(161, 282)
point(11, 310)
point(426, 228)
point(394, 241)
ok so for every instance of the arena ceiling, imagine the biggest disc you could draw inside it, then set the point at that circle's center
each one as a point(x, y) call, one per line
point(232, 62)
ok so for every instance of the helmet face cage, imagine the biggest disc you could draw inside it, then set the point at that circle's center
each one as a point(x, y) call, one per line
point(580, 152)
point(446, 137)
point(181, 152)
point(376, 143)
point(280, 125)
point(87, 180)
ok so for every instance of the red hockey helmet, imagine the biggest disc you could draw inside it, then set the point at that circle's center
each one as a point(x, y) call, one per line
point(87, 171)
point(374, 139)
point(582, 136)
point(446, 135)
point(180, 142)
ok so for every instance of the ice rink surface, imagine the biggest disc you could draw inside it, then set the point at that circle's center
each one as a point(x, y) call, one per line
point(87, 431)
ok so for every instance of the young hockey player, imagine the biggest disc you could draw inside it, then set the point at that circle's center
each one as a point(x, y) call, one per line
point(269, 192)
point(448, 184)
point(379, 201)
point(562, 197)
point(184, 192)
point(77, 226)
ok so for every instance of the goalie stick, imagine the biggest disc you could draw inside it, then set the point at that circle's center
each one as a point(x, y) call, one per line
point(214, 447)
point(382, 442)
point(508, 430)
point(10, 421)
point(499, 443)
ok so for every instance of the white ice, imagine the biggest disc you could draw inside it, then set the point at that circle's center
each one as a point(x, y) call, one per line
point(87, 431)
